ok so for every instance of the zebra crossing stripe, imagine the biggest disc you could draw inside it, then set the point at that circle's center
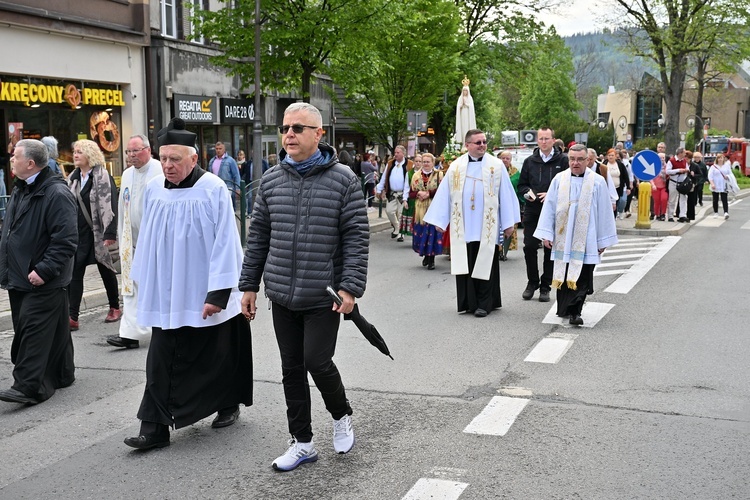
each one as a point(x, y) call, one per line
point(497, 416)
point(591, 314)
point(435, 489)
point(629, 279)
point(551, 349)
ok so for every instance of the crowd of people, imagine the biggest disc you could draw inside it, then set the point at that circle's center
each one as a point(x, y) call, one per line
point(187, 285)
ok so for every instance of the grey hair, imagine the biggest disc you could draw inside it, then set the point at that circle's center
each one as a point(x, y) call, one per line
point(579, 147)
point(403, 149)
point(143, 138)
point(307, 108)
point(592, 151)
point(51, 144)
point(679, 151)
point(34, 150)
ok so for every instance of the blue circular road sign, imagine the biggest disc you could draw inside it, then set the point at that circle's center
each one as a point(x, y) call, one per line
point(646, 165)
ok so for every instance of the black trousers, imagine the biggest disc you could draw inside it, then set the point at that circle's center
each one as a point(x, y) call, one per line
point(473, 294)
point(307, 342)
point(109, 278)
point(724, 202)
point(42, 349)
point(530, 252)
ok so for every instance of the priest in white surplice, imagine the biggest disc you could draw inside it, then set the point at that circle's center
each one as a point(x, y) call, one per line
point(479, 203)
point(577, 224)
point(187, 266)
point(130, 212)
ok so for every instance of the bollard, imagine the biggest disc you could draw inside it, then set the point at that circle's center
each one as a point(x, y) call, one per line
point(644, 206)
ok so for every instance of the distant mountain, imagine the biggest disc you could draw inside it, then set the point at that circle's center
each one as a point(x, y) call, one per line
point(607, 59)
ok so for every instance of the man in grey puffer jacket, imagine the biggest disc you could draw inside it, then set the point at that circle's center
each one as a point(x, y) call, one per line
point(309, 230)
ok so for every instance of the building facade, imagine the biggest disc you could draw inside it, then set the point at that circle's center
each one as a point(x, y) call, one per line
point(73, 70)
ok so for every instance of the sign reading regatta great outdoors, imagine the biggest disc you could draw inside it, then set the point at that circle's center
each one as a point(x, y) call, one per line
point(237, 110)
point(195, 108)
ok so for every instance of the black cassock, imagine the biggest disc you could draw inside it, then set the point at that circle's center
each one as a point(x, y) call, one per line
point(472, 293)
point(570, 302)
point(194, 372)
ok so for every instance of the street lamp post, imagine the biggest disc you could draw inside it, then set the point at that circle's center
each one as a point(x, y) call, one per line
point(622, 122)
point(257, 124)
point(696, 123)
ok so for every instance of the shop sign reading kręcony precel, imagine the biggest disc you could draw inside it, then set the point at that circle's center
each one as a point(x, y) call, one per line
point(42, 92)
point(195, 108)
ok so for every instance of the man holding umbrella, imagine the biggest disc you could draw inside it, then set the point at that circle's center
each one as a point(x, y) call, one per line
point(308, 231)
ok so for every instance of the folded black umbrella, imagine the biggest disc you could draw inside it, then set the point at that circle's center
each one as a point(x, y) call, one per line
point(368, 330)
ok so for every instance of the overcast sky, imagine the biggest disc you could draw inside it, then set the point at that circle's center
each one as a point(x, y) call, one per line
point(576, 16)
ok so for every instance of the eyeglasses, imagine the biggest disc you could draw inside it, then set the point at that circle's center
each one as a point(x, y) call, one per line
point(134, 151)
point(296, 128)
point(479, 143)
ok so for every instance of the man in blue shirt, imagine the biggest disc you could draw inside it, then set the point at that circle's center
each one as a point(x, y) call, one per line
point(226, 168)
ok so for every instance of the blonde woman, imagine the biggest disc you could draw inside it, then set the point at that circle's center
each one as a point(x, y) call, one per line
point(96, 195)
point(426, 241)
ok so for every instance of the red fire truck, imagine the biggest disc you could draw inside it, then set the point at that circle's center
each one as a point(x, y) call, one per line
point(735, 148)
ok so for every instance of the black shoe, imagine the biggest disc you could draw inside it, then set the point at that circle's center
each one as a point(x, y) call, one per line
point(117, 341)
point(400, 238)
point(529, 292)
point(576, 320)
point(682, 219)
point(147, 442)
point(14, 396)
point(544, 296)
point(503, 257)
point(394, 235)
point(225, 419)
point(670, 219)
point(480, 313)
point(425, 260)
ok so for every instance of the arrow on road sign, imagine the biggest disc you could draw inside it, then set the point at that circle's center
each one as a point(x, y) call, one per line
point(649, 168)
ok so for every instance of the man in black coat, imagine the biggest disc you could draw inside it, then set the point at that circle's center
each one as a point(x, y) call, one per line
point(536, 175)
point(309, 230)
point(38, 242)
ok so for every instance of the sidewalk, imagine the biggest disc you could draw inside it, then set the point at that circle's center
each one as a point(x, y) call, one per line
point(95, 296)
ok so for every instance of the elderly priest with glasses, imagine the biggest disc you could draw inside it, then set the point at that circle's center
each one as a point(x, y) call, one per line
point(479, 203)
point(187, 266)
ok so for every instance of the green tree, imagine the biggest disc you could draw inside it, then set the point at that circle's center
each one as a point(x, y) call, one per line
point(299, 38)
point(548, 91)
point(410, 63)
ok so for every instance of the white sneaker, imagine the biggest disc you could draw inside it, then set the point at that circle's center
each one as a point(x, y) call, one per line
point(343, 434)
point(716, 216)
point(296, 455)
point(726, 216)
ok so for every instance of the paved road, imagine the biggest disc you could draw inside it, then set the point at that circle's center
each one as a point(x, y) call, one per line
point(649, 400)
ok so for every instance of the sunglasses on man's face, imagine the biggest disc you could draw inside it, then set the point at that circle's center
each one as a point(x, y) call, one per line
point(479, 143)
point(296, 128)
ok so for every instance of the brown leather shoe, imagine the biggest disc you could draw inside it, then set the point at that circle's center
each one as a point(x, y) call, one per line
point(114, 315)
point(74, 325)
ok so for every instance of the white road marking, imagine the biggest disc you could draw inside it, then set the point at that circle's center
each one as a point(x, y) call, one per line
point(616, 264)
point(746, 225)
point(611, 258)
point(629, 279)
point(592, 313)
point(435, 489)
point(618, 249)
point(68, 434)
point(549, 350)
point(711, 222)
point(497, 416)
point(610, 272)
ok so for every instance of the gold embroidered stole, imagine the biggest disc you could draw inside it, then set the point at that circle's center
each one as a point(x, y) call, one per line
point(491, 175)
